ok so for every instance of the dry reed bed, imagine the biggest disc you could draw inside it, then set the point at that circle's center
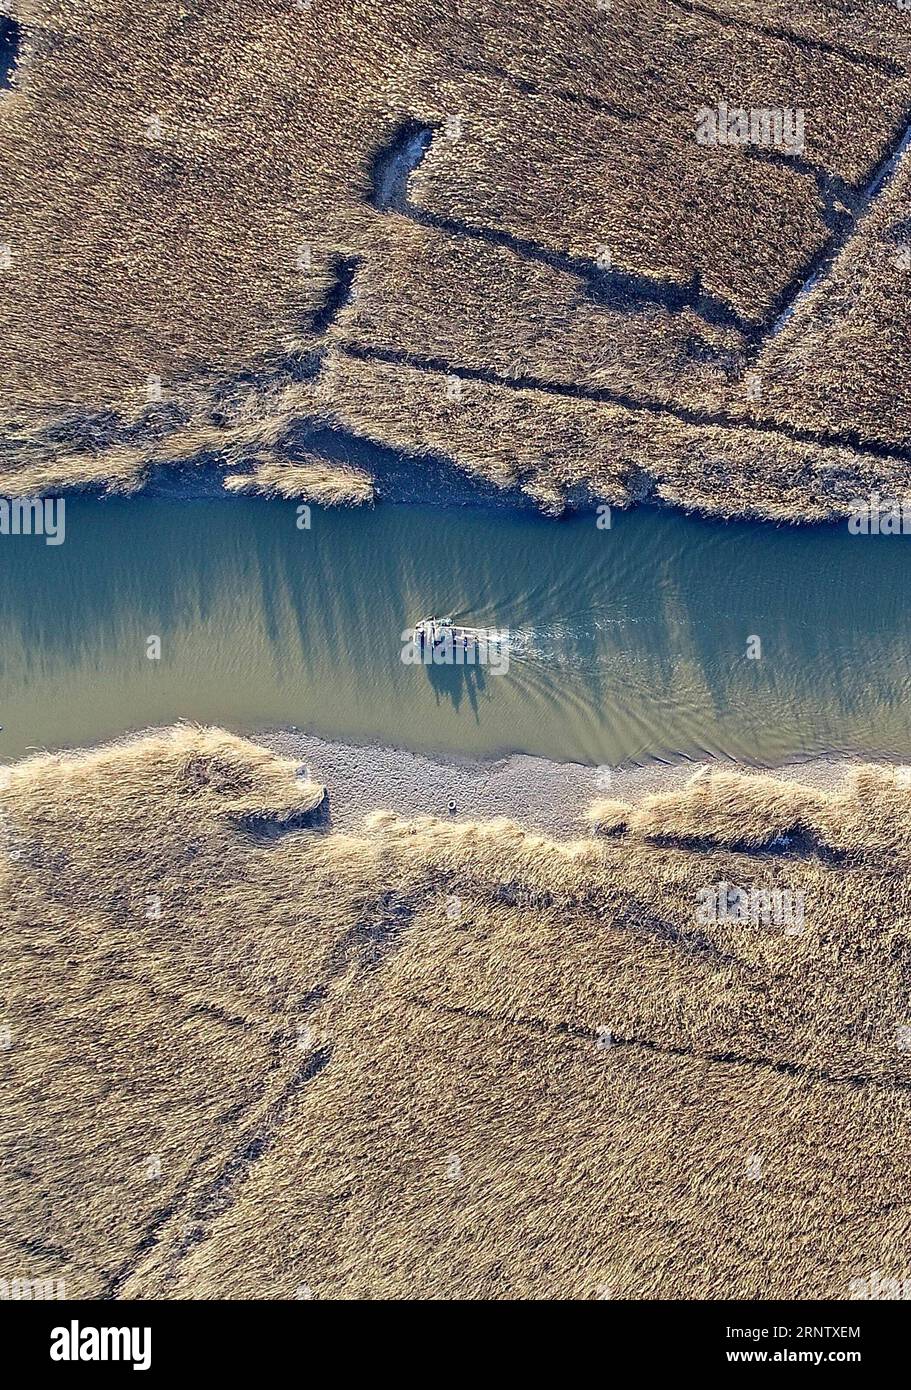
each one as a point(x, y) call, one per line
point(655, 63)
point(132, 1033)
point(573, 181)
point(485, 307)
point(550, 444)
point(442, 1059)
point(199, 250)
point(515, 1165)
point(176, 250)
point(843, 354)
point(864, 28)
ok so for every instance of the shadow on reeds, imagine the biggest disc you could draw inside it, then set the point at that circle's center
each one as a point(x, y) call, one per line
point(848, 439)
point(378, 932)
point(783, 34)
point(265, 828)
point(400, 476)
point(623, 290)
point(798, 842)
point(337, 296)
point(842, 224)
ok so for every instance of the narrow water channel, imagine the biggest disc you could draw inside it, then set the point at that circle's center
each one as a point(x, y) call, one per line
point(625, 644)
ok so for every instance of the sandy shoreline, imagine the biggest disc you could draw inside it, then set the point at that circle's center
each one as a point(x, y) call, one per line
point(539, 793)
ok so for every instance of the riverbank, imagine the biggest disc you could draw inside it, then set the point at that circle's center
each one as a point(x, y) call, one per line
point(399, 478)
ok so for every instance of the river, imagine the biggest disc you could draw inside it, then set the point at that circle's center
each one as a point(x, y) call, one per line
point(626, 644)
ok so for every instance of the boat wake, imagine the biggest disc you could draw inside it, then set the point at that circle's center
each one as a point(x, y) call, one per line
point(557, 643)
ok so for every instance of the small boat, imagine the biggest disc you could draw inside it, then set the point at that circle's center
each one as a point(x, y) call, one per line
point(443, 632)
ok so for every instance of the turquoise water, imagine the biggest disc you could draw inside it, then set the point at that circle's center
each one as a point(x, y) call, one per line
point(625, 644)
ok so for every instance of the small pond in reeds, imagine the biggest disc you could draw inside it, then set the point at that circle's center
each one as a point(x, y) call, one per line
point(9, 47)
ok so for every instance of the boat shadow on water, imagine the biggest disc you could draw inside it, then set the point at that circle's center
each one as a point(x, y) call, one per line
point(458, 683)
point(458, 658)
